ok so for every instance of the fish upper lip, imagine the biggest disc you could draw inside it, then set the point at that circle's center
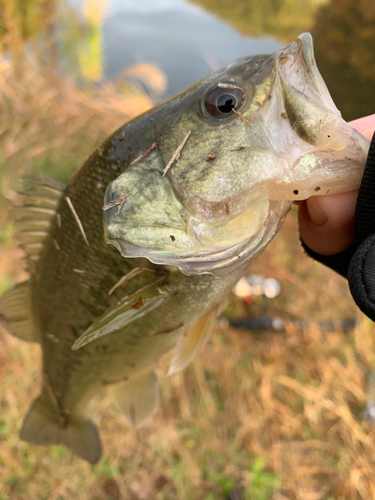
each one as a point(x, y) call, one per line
point(305, 43)
point(302, 50)
point(303, 47)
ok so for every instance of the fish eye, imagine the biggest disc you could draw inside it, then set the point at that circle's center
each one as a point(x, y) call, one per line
point(222, 100)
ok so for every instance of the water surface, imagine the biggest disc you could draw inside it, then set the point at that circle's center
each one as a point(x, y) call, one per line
point(188, 40)
point(185, 41)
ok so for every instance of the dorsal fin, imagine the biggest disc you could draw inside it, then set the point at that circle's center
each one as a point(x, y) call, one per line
point(32, 218)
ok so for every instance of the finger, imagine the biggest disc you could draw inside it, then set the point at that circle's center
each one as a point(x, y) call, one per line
point(365, 125)
point(326, 223)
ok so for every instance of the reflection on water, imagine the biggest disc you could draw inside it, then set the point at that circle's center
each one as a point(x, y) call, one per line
point(279, 18)
point(344, 34)
point(186, 42)
point(187, 39)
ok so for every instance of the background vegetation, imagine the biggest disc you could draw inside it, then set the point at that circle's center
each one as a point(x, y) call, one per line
point(344, 35)
point(55, 106)
point(283, 19)
point(268, 416)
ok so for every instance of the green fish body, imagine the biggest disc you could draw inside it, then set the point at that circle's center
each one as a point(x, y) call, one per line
point(190, 191)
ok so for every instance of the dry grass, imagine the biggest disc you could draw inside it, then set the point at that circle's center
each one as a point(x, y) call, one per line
point(50, 123)
point(274, 414)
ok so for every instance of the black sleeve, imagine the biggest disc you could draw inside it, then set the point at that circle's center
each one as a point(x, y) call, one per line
point(338, 262)
point(361, 272)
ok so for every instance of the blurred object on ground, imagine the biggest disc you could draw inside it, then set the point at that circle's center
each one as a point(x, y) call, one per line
point(277, 324)
point(256, 284)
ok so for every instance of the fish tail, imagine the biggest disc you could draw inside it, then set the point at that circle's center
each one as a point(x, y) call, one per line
point(42, 425)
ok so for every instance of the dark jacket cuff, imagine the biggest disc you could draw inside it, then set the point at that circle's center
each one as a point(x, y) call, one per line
point(338, 262)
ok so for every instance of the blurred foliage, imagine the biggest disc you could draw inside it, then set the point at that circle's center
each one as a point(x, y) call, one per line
point(24, 21)
point(283, 19)
point(51, 125)
point(55, 107)
point(344, 35)
point(81, 38)
point(91, 57)
point(57, 33)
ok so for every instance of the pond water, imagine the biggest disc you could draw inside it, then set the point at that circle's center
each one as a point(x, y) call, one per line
point(188, 40)
point(185, 41)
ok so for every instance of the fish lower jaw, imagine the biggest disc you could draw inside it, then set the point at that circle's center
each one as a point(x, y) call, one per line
point(191, 257)
point(137, 241)
point(291, 191)
point(196, 258)
point(199, 240)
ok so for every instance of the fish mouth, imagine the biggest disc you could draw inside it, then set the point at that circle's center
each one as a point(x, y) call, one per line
point(308, 105)
point(224, 260)
point(305, 78)
point(190, 251)
point(329, 148)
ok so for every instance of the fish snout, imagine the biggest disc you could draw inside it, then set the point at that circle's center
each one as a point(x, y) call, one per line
point(325, 154)
point(308, 104)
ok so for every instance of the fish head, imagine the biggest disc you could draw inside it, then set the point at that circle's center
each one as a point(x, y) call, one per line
point(238, 149)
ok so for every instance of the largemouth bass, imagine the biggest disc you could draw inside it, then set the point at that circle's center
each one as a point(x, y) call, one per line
point(190, 191)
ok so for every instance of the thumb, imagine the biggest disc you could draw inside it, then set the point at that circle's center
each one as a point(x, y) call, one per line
point(327, 222)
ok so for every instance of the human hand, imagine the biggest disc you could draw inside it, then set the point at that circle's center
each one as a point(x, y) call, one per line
point(326, 223)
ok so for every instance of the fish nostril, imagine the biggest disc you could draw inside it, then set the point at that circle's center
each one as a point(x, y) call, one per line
point(283, 59)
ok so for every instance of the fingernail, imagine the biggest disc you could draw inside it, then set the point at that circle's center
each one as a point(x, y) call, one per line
point(317, 215)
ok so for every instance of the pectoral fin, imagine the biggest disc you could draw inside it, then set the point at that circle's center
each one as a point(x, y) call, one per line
point(16, 313)
point(194, 341)
point(130, 308)
point(137, 398)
